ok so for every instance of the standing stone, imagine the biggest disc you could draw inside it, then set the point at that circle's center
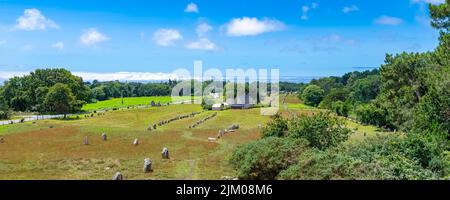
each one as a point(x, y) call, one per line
point(2, 140)
point(86, 140)
point(136, 142)
point(154, 126)
point(259, 126)
point(221, 133)
point(165, 153)
point(118, 176)
point(147, 165)
point(104, 137)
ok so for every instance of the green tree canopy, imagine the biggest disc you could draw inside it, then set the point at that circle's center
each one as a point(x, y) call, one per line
point(312, 95)
point(60, 99)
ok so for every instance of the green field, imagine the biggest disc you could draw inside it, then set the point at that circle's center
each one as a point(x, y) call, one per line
point(128, 101)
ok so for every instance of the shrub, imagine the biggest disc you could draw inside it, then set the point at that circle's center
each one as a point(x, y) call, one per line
point(5, 114)
point(371, 114)
point(340, 108)
point(321, 130)
point(277, 127)
point(383, 157)
point(265, 158)
point(325, 165)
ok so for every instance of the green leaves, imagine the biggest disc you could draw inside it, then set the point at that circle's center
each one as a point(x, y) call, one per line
point(27, 93)
point(440, 15)
point(60, 99)
point(321, 130)
point(264, 159)
point(312, 95)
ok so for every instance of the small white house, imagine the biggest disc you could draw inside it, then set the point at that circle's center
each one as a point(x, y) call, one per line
point(217, 106)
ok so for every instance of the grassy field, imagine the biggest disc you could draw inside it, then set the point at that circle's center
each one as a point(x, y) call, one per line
point(53, 149)
point(36, 151)
point(127, 101)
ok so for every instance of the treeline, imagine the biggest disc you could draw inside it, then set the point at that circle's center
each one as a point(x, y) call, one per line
point(115, 89)
point(59, 91)
point(410, 92)
point(341, 93)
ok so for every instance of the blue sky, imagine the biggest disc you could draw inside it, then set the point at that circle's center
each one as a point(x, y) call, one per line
point(300, 37)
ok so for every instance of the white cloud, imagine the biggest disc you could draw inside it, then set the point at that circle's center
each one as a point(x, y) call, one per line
point(434, 2)
point(32, 19)
point(92, 36)
point(125, 76)
point(166, 37)
point(387, 20)
point(58, 45)
point(191, 8)
point(348, 9)
point(247, 26)
point(202, 44)
point(306, 9)
point(121, 76)
point(203, 28)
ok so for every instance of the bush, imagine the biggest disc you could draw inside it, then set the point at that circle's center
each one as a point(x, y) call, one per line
point(326, 165)
point(276, 128)
point(380, 158)
point(321, 130)
point(5, 114)
point(340, 108)
point(371, 114)
point(265, 158)
point(401, 158)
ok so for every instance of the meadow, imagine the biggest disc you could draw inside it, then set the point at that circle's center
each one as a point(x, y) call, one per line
point(128, 101)
point(53, 149)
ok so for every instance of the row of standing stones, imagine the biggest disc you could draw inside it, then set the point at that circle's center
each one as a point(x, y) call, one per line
point(178, 117)
point(203, 120)
point(147, 162)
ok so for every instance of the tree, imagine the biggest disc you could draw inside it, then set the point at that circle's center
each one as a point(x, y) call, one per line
point(335, 94)
point(312, 95)
point(328, 83)
point(98, 93)
point(440, 15)
point(60, 99)
point(365, 89)
point(4, 110)
point(25, 93)
point(403, 84)
point(341, 108)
